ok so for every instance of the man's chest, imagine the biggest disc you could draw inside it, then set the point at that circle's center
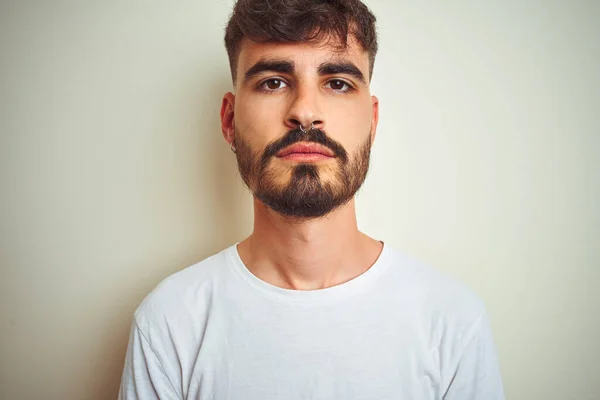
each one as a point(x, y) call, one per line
point(314, 354)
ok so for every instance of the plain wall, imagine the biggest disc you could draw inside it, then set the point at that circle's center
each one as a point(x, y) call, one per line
point(114, 174)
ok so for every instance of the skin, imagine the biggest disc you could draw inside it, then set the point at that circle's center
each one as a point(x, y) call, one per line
point(301, 253)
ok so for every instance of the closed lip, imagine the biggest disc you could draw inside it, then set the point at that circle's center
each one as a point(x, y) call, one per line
point(306, 148)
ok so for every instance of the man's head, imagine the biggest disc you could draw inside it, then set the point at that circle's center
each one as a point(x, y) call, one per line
point(302, 120)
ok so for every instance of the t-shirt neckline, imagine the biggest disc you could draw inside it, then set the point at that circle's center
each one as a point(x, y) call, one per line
point(355, 285)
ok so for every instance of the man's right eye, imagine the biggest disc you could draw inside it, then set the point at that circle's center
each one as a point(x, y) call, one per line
point(273, 84)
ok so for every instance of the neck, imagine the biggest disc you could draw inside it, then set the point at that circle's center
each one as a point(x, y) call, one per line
point(307, 254)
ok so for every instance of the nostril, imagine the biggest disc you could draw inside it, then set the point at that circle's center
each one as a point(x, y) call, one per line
point(292, 123)
point(317, 124)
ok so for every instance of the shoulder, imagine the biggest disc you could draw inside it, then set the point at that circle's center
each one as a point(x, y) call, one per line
point(455, 326)
point(184, 293)
point(439, 295)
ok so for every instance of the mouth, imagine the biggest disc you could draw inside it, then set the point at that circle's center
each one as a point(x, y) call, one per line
point(306, 152)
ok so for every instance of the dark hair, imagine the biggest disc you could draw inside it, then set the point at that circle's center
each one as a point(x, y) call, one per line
point(300, 21)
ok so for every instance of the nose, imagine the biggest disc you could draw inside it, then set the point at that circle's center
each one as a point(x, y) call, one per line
point(305, 109)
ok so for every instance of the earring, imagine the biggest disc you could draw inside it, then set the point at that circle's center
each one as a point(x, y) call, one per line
point(232, 146)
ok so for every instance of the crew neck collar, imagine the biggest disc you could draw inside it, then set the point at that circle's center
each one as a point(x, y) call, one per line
point(348, 288)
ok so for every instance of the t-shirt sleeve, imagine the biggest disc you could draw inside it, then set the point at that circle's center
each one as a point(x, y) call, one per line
point(477, 375)
point(144, 377)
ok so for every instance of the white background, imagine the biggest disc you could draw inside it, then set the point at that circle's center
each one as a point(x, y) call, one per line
point(114, 174)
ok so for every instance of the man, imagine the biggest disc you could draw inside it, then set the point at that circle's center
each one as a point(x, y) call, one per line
point(307, 307)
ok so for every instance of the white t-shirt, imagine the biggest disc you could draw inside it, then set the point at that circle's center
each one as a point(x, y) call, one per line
point(401, 330)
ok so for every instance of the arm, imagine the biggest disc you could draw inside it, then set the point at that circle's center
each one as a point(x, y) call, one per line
point(144, 376)
point(477, 374)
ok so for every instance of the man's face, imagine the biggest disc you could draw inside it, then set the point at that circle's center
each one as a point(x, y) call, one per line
point(282, 90)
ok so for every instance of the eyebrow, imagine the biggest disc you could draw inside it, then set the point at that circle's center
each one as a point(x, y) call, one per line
point(346, 68)
point(281, 66)
point(288, 66)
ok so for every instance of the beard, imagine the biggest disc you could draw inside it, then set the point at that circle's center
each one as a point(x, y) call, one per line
point(305, 194)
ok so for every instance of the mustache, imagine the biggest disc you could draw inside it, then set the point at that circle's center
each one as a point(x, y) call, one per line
point(314, 135)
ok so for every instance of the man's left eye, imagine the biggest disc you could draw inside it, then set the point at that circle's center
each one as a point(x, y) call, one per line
point(339, 85)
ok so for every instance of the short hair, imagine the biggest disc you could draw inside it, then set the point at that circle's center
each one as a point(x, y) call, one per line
point(308, 21)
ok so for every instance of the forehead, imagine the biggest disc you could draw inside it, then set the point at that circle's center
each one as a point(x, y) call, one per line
point(304, 55)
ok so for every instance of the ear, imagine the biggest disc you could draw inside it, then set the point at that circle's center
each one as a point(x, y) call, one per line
point(374, 117)
point(227, 120)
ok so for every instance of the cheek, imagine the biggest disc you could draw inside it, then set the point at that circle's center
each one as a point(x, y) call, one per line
point(259, 120)
point(350, 125)
point(260, 107)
